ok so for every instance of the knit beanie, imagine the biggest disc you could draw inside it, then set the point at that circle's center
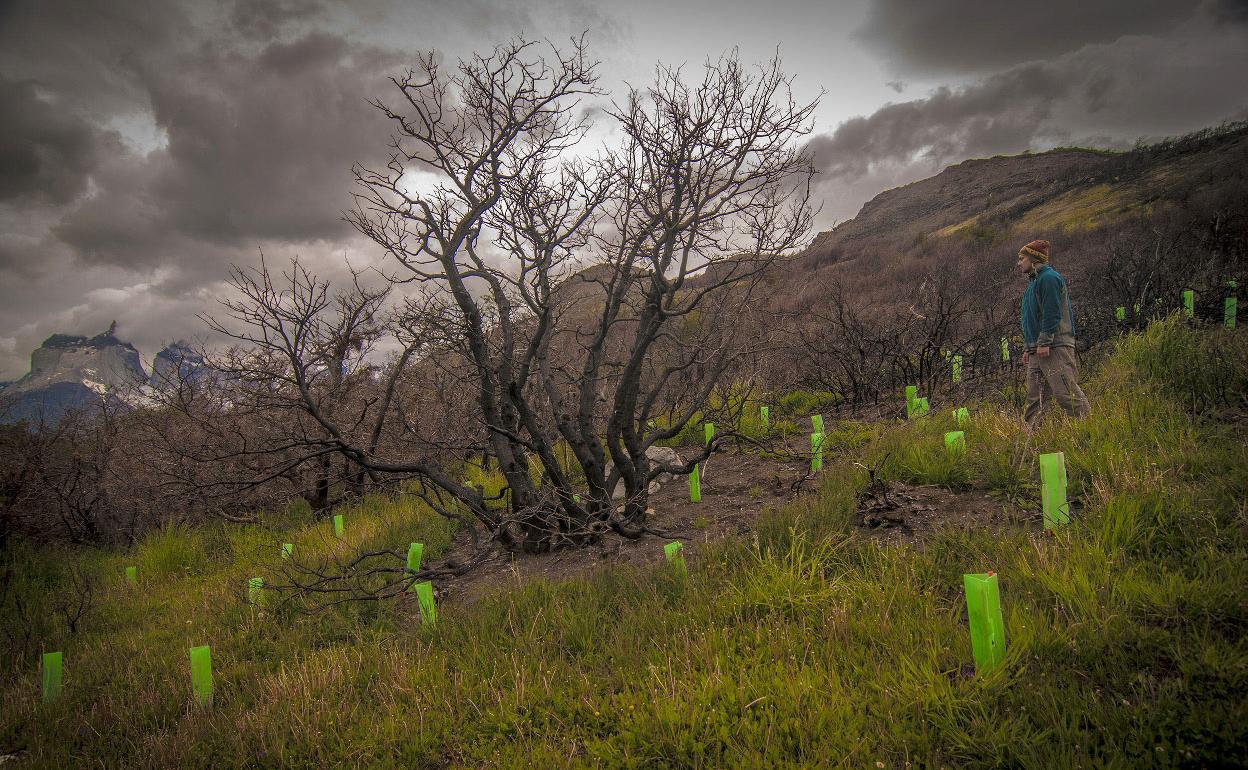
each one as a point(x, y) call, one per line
point(1038, 251)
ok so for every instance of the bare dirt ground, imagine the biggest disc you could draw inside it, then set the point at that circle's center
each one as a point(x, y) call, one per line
point(737, 486)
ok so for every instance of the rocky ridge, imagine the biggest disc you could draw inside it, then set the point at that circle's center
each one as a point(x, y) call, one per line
point(72, 372)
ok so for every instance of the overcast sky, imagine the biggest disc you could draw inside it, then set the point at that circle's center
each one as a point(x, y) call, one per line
point(146, 145)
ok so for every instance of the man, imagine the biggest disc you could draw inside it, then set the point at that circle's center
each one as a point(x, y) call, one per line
point(1049, 336)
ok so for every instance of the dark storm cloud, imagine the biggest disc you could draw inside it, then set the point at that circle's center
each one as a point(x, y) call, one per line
point(1001, 114)
point(267, 19)
point(258, 147)
point(46, 151)
point(86, 51)
point(975, 36)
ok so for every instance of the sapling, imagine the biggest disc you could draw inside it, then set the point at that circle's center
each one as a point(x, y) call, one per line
point(424, 594)
point(201, 674)
point(51, 676)
point(676, 558)
point(983, 611)
point(1053, 489)
point(955, 443)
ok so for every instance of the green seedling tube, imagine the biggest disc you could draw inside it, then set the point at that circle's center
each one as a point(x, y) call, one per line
point(201, 674)
point(414, 552)
point(132, 575)
point(288, 550)
point(912, 397)
point(765, 413)
point(338, 526)
point(695, 484)
point(957, 368)
point(962, 416)
point(576, 499)
point(255, 591)
point(676, 558)
point(816, 452)
point(1230, 311)
point(709, 430)
point(1120, 313)
point(955, 442)
point(921, 406)
point(51, 676)
point(424, 593)
point(983, 610)
point(816, 423)
point(1005, 349)
point(1189, 302)
point(1136, 309)
point(1053, 489)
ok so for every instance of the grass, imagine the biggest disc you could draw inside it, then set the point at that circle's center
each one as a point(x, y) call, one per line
point(800, 646)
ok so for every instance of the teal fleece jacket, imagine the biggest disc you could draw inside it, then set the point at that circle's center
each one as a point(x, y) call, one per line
point(1047, 317)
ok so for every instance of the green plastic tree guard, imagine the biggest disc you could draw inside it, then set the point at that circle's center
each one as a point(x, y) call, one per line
point(1005, 349)
point(955, 442)
point(957, 368)
point(576, 499)
point(695, 484)
point(132, 575)
point(962, 416)
point(1229, 312)
point(255, 591)
point(1053, 489)
point(1189, 302)
point(51, 676)
point(1120, 313)
point(912, 397)
point(338, 526)
point(201, 674)
point(709, 430)
point(983, 610)
point(1136, 309)
point(816, 423)
point(424, 594)
point(288, 550)
point(414, 552)
point(921, 406)
point(816, 452)
point(765, 413)
point(675, 553)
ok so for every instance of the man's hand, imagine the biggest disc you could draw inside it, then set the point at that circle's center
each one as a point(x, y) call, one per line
point(1042, 352)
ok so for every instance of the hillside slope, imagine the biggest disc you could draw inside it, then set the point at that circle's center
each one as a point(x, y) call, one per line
point(1049, 193)
point(805, 644)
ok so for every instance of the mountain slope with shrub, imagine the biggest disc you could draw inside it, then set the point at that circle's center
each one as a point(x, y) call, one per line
point(1042, 195)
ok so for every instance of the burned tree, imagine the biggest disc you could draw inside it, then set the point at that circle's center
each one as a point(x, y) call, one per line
point(578, 298)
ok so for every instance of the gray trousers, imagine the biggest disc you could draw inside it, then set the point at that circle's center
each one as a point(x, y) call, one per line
point(1054, 377)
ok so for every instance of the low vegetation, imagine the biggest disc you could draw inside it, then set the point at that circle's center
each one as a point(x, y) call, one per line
point(801, 645)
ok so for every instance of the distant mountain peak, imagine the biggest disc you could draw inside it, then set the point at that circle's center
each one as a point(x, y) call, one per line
point(70, 371)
